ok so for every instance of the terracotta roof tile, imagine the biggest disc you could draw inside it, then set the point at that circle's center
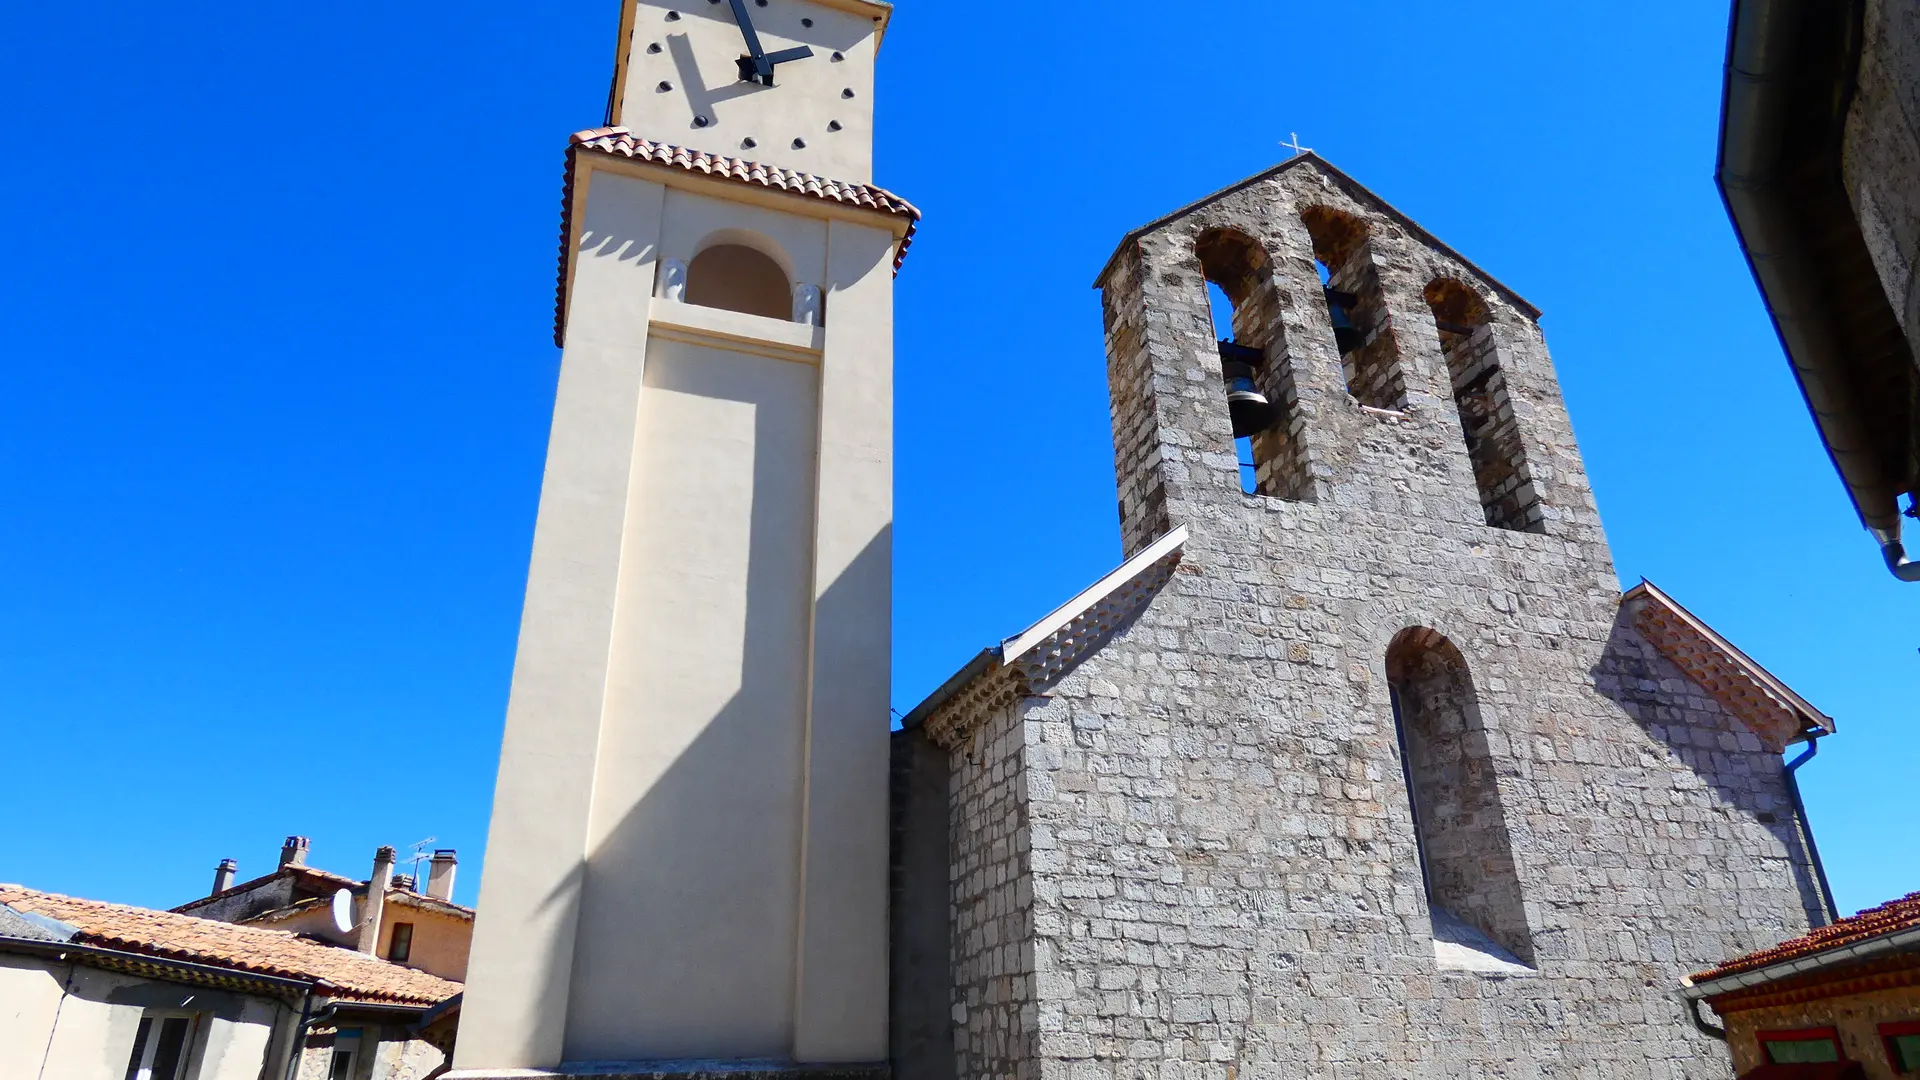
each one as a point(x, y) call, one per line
point(309, 877)
point(353, 976)
point(1901, 914)
point(620, 142)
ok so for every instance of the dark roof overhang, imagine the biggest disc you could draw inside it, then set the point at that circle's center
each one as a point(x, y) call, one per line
point(1790, 77)
point(164, 968)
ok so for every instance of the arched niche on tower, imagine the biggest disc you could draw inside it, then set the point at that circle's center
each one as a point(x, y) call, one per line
point(1467, 862)
point(735, 270)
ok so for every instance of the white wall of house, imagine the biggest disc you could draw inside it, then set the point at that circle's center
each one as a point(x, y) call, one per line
point(62, 1021)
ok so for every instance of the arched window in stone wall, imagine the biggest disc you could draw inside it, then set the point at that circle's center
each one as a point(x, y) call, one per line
point(739, 278)
point(1254, 364)
point(1466, 853)
point(1364, 334)
point(1507, 492)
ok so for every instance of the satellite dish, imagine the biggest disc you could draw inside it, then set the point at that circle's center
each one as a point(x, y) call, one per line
point(343, 911)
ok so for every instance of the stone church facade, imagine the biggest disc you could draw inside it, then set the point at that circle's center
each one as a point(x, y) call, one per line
point(1362, 765)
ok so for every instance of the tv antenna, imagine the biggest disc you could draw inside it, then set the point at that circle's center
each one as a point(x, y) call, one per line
point(420, 855)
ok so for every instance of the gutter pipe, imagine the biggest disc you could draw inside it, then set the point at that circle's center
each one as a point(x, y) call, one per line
point(1806, 824)
point(297, 1038)
point(1766, 197)
point(1709, 1030)
point(1896, 555)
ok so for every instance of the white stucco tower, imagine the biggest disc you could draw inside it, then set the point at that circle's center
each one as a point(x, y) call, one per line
point(688, 855)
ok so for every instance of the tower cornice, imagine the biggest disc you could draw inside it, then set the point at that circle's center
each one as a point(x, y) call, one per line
point(728, 177)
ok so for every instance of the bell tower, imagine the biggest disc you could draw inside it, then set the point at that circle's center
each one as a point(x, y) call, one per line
point(688, 852)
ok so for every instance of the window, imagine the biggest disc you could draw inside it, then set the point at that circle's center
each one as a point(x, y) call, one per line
point(1810, 1046)
point(1460, 828)
point(739, 278)
point(1903, 1046)
point(1244, 303)
point(160, 1048)
point(1362, 332)
point(401, 945)
point(1487, 417)
point(346, 1047)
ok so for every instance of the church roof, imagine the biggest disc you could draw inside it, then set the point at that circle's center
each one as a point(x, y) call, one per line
point(1044, 652)
point(1358, 191)
point(1770, 707)
point(622, 143)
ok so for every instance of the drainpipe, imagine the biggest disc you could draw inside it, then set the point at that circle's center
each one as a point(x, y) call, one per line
point(297, 1038)
point(1709, 1030)
point(1814, 735)
point(1896, 554)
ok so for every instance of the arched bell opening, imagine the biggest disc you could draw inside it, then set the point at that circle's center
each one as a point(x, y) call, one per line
point(1356, 311)
point(1256, 372)
point(1488, 420)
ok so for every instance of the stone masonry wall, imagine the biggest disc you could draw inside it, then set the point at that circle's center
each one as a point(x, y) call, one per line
point(992, 920)
point(1194, 858)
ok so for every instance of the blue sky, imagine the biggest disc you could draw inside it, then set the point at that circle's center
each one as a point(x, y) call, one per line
point(276, 295)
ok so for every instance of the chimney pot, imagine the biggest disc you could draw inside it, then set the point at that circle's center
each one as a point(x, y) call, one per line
point(223, 876)
point(294, 851)
point(377, 885)
point(440, 874)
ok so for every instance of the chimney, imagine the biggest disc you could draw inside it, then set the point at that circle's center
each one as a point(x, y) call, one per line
point(294, 851)
point(440, 874)
point(223, 876)
point(404, 882)
point(376, 904)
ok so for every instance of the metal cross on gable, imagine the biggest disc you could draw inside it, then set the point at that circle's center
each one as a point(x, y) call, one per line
point(1295, 144)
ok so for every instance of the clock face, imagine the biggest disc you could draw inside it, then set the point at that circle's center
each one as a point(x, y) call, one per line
point(695, 77)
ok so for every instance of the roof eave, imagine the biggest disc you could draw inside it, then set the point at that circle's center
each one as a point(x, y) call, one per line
point(1788, 85)
point(1896, 941)
point(1813, 716)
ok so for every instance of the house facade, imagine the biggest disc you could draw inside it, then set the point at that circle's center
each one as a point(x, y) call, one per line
point(1842, 1001)
point(98, 991)
point(404, 922)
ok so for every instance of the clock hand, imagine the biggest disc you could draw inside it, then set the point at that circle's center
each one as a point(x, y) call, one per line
point(757, 65)
point(756, 62)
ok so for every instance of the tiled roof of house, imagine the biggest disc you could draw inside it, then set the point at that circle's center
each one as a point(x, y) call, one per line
point(1770, 707)
point(620, 142)
point(1888, 918)
point(346, 975)
point(308, 877)
point(397, 897)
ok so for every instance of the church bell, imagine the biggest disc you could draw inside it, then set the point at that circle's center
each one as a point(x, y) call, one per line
point(1339, 307)
point(1246, 405)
